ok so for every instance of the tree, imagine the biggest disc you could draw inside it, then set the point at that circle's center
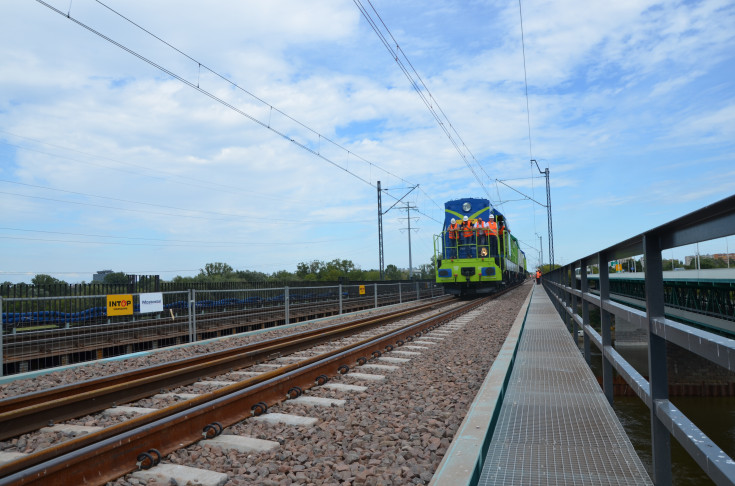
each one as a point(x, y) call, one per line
point(250, 276)
point(706, 262)
point(369, 275)
point(392, 272)
point(119, 278)
point(216, 271)
point(671, 264)
point(317, 270)
point(428, 270)
point(43, 279)
point(282, 276)
point(335, 269)
point(310, 271)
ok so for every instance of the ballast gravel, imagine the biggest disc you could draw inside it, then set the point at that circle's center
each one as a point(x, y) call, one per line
point(98, 369)
point(394, 433)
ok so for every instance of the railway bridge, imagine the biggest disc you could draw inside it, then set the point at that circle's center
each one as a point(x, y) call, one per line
point(541, 415)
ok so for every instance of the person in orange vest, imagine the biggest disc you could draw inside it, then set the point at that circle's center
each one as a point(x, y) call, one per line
point(453, 237)
point(493, 225)
point(538, 276)
point(492, 233)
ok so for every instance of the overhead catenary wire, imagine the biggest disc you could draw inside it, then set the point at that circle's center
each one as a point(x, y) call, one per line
point(144, 240)
point(528, 111)
point(196, 86)
point(202, 212)
point(525, 80)
point(169, 243)
point(428, 99)
point(124, 167)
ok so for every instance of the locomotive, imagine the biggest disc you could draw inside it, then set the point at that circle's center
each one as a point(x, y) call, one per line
point(472, 259)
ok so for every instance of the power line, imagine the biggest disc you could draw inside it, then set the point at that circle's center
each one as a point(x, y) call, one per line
point(428, 99)
point(227, 215)
point(198, 183)
point(198, 88)
point(525, 79)
point(194, 243)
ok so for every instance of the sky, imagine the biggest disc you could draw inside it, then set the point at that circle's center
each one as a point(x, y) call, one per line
point(153, 138)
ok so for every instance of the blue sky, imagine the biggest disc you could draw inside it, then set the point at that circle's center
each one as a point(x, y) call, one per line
point(107, 162)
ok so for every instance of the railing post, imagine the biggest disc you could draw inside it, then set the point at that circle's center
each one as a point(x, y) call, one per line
point(286, 307)
point(567, 276)
point(418, 292)
point(657, 366)
point(340, 299)
point(585, 312)
point(192, 315)
point(375, 286)
point(607, 371)
point(2, 331)
point(573, 281)
point(400, 297)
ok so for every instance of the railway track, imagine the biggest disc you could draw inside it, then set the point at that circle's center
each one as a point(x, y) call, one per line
point(106, 454)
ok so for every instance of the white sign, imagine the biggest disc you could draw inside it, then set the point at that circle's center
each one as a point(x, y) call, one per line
point(151, 302)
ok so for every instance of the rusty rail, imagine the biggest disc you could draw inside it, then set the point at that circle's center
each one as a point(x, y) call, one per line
point(31, 411)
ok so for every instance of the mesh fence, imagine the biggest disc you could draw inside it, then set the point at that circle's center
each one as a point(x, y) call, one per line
point(40, 330)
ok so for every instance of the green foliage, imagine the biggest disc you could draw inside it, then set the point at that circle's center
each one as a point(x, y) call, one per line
point(43, 279)
point(119, 278)
point(671, 264)
point(216, 271)
point(250, 276)
point(427, 270)
point(368, 275)
point(705, 262)
point(319, 271)
point(392, 273)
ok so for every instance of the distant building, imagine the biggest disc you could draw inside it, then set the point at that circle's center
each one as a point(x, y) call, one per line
point(100, 276)
point(690, 259)
point(724, 256)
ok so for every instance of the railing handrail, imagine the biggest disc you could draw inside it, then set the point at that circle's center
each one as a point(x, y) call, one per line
point(714, 221)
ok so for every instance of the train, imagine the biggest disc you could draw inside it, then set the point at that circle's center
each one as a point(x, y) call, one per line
point(471, 261)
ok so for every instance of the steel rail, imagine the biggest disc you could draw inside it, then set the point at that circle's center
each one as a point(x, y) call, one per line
point(31, 411)
point(110, 453)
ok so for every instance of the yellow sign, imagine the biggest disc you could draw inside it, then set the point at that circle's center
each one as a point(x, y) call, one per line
point(120, 305)
point(362, 290)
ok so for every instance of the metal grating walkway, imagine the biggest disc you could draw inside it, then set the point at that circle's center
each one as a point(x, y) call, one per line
point(555, 425)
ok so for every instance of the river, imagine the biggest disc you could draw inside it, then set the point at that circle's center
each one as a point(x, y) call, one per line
point(715, 416)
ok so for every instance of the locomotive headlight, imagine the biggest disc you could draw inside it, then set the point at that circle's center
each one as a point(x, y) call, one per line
point(466, 207)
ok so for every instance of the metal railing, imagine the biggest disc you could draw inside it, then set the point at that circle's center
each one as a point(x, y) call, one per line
point(67, 329)
point(714, 221)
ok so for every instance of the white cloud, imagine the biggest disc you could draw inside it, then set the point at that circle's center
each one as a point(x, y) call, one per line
point(619, 93)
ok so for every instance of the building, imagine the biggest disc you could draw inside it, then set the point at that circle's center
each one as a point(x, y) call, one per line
point(724, 256)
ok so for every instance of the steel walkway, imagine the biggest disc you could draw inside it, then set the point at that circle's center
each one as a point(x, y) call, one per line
point(555, 425)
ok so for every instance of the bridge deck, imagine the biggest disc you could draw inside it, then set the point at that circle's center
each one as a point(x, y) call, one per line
point(555, 425)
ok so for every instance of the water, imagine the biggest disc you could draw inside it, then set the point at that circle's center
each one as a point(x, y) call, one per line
point(715, 416)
